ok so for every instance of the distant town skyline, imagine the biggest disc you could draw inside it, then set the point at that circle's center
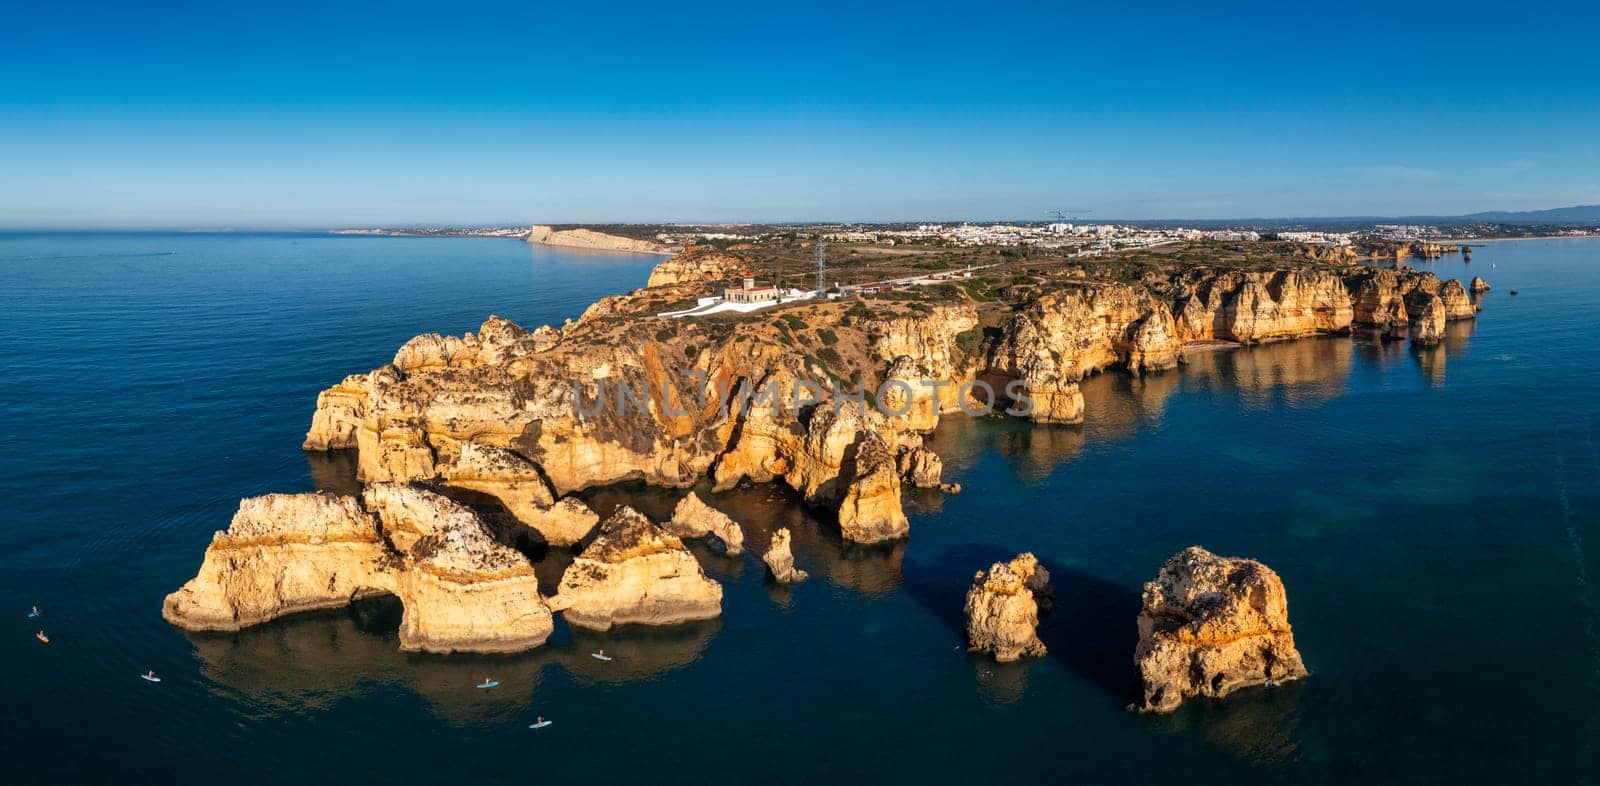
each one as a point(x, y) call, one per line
point(189, 115)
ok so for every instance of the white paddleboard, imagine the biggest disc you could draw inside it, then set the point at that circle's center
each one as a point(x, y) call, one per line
point(598, 656)
point(490, 684)
point(148, 678)
point(540, 724)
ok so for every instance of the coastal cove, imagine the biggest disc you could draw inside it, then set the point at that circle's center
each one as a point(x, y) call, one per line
point(1428, 509)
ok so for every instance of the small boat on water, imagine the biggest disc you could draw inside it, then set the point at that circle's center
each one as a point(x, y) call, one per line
point(40, 636)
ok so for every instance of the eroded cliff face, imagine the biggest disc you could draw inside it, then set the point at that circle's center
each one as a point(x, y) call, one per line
point(1003, 608)
point(635, 572)
point(698, 264)
point(1211, 625)
point(1062, 337)
point(1399, 302)
point(285, 553)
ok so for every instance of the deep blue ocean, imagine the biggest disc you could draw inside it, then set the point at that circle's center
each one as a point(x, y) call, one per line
point(1432, 514)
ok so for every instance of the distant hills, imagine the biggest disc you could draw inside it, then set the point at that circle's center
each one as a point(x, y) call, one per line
point(1574, 216)
point(1577, 214)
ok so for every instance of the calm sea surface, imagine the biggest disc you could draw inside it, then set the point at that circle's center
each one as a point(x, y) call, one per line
point(1432, 514)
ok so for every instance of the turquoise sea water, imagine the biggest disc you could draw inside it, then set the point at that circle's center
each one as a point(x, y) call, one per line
point(1431, 513)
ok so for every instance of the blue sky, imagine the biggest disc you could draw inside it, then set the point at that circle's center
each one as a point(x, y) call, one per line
point(290, 115)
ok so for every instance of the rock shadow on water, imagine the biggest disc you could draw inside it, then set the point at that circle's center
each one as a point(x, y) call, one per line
point(637, 652)
point(761, 509)
point(310, 662)
point(1091, 630)
point(334, 471)
point(1431, 360)
point(1303, 372)
point(1259, 725)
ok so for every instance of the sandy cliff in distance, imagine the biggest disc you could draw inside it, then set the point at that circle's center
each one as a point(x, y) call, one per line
point(588, 238)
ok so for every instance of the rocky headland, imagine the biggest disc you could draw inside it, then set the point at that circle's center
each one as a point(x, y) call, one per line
point(620, 394)
point(523, 420)
point(581, 237)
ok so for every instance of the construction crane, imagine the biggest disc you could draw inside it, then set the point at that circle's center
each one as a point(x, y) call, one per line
point(1069, 215)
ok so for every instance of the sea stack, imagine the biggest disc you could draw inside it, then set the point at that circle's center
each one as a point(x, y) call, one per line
point(1478, 285)
point(635, 572)
point(286, 553)
point(1003, 609)
point(780, 560)
point(693, 518)
point(1210, 626)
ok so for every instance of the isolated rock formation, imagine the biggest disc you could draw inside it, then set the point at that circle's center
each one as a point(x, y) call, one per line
point(1003, 608)
point(1211, 625)
point(286, 553)
point(634, 572)
point(922, 467)
point(780, 560)
point(1478, 285)
point(693, 518)
point(1426, 312)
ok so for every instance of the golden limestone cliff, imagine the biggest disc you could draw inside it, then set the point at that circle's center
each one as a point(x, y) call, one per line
point(1003, 608)
point(696, 264)
point(635, 572)
point(1211, 625)
point(1398, 303)
point(285, 553)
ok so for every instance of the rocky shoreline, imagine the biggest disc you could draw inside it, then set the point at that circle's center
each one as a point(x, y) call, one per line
point(511, 415)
